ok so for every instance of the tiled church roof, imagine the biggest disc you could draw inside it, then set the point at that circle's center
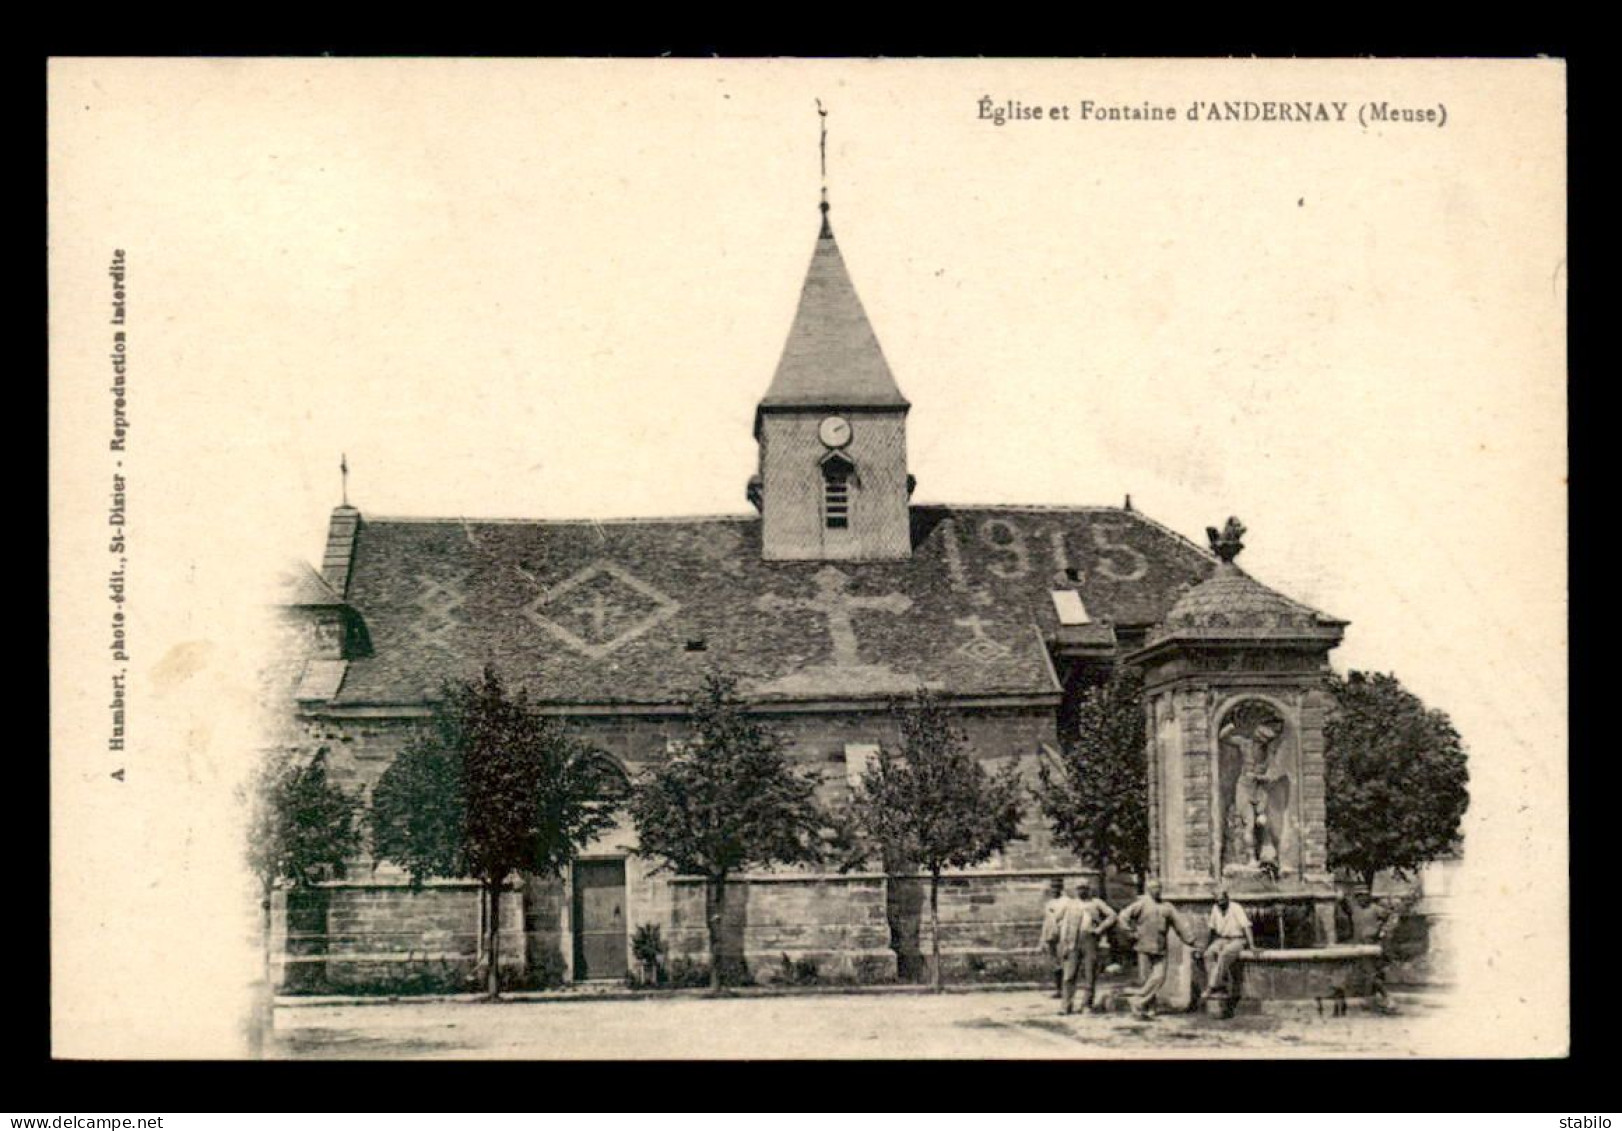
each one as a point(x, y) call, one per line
point(633, 612)
point(832, 357)
point(299, 586)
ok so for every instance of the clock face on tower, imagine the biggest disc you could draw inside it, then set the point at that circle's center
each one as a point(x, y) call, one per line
point(834, 431)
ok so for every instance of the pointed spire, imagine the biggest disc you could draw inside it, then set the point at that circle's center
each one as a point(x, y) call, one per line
point(832, 357)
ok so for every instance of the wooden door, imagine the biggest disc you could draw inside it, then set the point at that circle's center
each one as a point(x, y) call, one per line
point(599, 919)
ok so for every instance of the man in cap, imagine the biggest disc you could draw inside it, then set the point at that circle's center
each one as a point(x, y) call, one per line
point(1373, 921)
point(1050, 931)
point(1082, 922)
point(1151, 919)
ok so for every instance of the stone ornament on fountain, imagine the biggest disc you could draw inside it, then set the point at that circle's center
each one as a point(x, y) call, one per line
point(1227, 542)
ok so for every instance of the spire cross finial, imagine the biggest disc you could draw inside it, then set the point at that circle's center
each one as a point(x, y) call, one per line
point(343, 471)
point(823, 150)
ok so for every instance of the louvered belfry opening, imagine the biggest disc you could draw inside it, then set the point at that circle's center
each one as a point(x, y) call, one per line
point(836, 475)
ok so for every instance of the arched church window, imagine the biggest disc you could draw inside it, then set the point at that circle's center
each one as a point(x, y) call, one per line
point(612, 782)
point(837, 472)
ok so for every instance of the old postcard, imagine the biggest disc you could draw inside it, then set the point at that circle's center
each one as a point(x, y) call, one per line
point(1039, 559)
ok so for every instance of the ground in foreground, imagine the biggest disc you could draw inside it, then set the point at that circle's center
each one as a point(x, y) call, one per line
point(868, 1026)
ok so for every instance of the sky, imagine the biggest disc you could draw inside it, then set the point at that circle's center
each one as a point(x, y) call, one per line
point(552, 289)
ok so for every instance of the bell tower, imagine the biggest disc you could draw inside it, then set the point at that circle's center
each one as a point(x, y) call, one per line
point(832, 431)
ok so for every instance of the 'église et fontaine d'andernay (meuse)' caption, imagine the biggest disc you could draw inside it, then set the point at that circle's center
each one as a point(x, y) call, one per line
point(1373, 114)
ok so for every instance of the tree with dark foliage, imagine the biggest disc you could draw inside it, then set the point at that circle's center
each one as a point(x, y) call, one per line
point(726, 800)
point(931, 805)
point(1396, 778)
point(301, 829)
point(487, 789)
point(1096, 799)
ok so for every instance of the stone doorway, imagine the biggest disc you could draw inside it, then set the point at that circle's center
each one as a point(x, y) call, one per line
point(599, 921)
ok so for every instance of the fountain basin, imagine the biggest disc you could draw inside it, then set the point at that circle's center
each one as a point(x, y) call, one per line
point(1305, 973)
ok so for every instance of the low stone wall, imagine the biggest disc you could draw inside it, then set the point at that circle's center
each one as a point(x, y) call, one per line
point(351, 937)
point(384, 937)
point(857, 928)
point(990, 926)
point(837, 923)
point(866, 927)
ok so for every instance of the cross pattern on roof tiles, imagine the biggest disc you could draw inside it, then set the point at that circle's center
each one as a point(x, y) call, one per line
point(606, 605)
point(844, 669)
point(981, 648)
point(721, 546)
point(582, 612)
point(440, 599)
point(836, 604)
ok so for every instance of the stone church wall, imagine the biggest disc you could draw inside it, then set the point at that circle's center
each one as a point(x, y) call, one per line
point(371, 929)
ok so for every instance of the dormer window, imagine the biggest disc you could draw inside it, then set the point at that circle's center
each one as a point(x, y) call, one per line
point(837, 473)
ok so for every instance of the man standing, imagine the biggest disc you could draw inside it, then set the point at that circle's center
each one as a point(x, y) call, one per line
point(1150, 919)
point(1050, 931)
point(1372, 923)
point(1082, 921)
point(1230, 937)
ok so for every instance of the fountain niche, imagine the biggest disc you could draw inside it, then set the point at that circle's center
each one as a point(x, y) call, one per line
point(1236, 705)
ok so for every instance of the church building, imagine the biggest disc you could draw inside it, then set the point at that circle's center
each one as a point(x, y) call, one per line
point(831, 595)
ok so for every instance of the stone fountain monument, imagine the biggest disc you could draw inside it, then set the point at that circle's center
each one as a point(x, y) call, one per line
point(1234, 691)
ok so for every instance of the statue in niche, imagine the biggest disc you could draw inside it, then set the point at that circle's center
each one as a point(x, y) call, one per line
point(1255, 777)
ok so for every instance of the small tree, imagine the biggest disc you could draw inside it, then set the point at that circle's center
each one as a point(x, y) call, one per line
point(1395, 778)
point(1096, 798)
point(301, 827)
point(301, 830)
point(489, 788)
point(931, 805)
point(725, 801)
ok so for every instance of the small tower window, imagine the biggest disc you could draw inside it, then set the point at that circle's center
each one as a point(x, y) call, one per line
point(837, 472)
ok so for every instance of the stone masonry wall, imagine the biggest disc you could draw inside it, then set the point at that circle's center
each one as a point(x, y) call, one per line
point(855, 925)
point(357, 935)
point(1193, 710)
point(1315, 707)
point(791, 470)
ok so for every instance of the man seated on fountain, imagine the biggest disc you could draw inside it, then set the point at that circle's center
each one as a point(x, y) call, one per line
point(1231, 936)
